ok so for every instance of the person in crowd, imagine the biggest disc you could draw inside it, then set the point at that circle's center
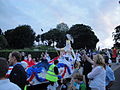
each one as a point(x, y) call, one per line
point(34, 60)
point(77, 68)
point(52, 76)
point(22, 55)
point(109, 56)
point(98, 74)
point(87, 67)
point(114, 54)
point(47, 56)
point(110, 78)
point(78, 83)
point(42, 55)
point(104, 54)
point(30, 61)
point(64, 84)
point(18, 74)
point(5, 84)
point(78, 56)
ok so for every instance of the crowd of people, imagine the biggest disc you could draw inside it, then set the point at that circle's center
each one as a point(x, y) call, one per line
point(90, 71)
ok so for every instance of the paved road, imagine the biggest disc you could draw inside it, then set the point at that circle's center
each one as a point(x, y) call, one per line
point(116, 69)
point(115, 66)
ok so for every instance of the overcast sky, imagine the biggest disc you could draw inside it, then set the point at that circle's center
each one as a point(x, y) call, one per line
point(102, 15)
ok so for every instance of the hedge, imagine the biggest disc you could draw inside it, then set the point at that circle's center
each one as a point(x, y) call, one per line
point(35, 54)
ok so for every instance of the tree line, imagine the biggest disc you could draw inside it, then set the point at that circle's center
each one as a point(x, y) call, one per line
point(24, 36)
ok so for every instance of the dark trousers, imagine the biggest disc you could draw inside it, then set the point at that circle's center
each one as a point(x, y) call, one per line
point(87, 85)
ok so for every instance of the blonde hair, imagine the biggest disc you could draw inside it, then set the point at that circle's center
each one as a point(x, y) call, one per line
point(78, 76)
point(99, 60)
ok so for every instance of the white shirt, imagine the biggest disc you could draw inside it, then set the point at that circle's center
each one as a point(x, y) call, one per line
point(7, 85)
point(98, 75)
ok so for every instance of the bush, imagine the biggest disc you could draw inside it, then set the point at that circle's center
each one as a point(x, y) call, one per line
point(35, 54)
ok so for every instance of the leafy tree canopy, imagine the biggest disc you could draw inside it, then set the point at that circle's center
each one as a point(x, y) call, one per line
point(20, 37)
point(83, 36)
point(3, 42)
point(116, 36)
point(54, 35)
point(0, 31)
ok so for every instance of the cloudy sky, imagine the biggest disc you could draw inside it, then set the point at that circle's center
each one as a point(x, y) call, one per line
point(102, 15)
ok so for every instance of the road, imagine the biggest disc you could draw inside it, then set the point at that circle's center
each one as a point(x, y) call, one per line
point(116, 69)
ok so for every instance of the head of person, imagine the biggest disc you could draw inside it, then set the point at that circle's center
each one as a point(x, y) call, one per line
point(106, 59)
point(43, 56)
point(63, 81)
point(78, 78)
point(77, 65)
point(3, 67)
point(98, 59)
point(56, 62)
point(29, 56)
point(14, 57)
point(82, 52)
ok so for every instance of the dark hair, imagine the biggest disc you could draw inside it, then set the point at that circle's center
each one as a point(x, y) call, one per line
point(3, 67)
point(17, 55)
point(64, 81)
point(56, 62)
point(76, 64)
point(106, 59)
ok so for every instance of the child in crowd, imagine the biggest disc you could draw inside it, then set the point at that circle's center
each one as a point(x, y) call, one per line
point(77, 68)
point(78, 83)
point(64, 84)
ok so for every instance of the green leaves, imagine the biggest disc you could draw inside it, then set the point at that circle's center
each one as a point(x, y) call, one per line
point(116, 36)
point(3, 42)
point(54, 35)
point(83, 36)
point(20, 37)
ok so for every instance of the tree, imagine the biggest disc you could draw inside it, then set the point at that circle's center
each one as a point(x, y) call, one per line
point(8, 35)
point(52, 36)
point(83, 36)
point(116, 36)
point(37, 38)
point(1, 32)
point(20, 37)
point(62, 27)
point(3, 42)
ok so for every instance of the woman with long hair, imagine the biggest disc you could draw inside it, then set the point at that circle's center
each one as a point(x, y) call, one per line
point(98, 74)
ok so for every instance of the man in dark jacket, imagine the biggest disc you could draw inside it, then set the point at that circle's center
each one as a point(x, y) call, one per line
point(18, 74)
